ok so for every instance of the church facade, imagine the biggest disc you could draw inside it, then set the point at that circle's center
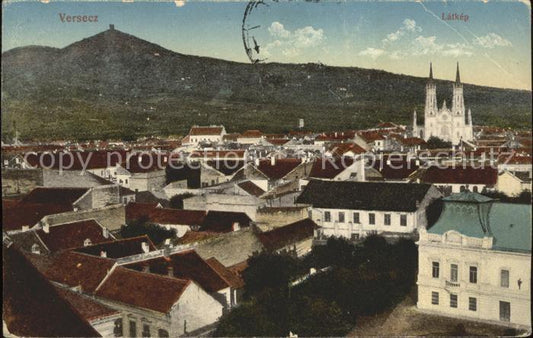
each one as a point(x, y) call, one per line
point(450, 124)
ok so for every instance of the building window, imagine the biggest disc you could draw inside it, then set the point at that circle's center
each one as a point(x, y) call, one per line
point(354, 237)
point(341, 217)
point(327, 216)
point(126, 181)
point(356, 217)
point(472, 303)
point(403, 220)
point(435, 270)
point(386, 219)
point(87, 242)
point(454, 271)
point(505, 311)
point(435, 298)
point(146, 330)
point(453, 300)
point(133, 328)
point(462, 188)
point(117, 330)
point(504, 278)
point(475, 188)
point(36, 249)
point(372, 218)
point(162, 333)
point(473, 274)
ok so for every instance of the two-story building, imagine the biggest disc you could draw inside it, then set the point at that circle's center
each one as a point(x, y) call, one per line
point(475, 261)
point(356, 209)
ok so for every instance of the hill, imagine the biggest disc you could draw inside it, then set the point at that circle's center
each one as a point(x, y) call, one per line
point(114, 85)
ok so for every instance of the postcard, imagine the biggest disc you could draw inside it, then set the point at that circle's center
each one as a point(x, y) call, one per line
point(263, 168)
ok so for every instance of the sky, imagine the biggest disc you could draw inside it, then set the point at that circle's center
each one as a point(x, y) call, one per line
point(490, 39)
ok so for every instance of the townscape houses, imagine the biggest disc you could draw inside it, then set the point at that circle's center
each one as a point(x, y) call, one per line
point(229, 197)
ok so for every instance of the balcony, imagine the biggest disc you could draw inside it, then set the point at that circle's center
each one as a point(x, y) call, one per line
point(452, 284)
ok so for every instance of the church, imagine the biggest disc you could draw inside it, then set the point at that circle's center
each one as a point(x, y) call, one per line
point(449, 124)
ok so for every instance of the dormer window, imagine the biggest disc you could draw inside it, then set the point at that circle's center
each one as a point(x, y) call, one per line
point(87, 242)
point(35, 249)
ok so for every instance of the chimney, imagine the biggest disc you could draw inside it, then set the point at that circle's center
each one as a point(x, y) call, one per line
point(303, 159)
point(363, 174)
point(111, 27)
point(170, 271)
point(46, 228)
point(105, 232)
point(235, 227)
point(103, 253)
point(273, 160)
point(145, 247)
point(256, 162)
point(146, 268)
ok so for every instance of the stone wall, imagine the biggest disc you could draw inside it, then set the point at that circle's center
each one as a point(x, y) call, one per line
point(20, 181)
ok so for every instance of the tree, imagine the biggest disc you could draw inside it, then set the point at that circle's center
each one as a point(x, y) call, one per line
point(268, 271)
point(523, 198)
point(142, 226)
point(176, 201)
point(437, 143)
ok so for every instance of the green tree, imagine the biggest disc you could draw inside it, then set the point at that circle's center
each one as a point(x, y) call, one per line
point(437, 143)
point(142, 226)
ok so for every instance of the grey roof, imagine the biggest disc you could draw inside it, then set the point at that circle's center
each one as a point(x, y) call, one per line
point(508, 224)
point(231, 248)
point(364, 195)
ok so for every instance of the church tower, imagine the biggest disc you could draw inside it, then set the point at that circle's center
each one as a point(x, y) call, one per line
point(431, 95)
point(458, 103)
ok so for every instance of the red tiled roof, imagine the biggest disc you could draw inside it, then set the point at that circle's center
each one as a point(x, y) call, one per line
point(330, 167)
point(387, 125)
point(146, 290)
point(289, 234)
point(205, 131)
point(229, 277)
point(225, 154)
point(88, 308)
point(119, 248)
point(29, 214)
point(144, 163)
point(32, 307)
point(139, 210)
point(395, 169)
point(277, 141)
point(280, 168)
point(339, 149)
point(72, 235)
point(412, 141)
point(177, 216)
point(77, 160)
point(54, 195)
point(185, 265)
point(371, 136)
point(251, 134)
point(460, 175)
point(75, 269)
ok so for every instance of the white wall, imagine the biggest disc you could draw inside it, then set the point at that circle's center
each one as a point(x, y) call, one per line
point(487, 290)
point(347, 228)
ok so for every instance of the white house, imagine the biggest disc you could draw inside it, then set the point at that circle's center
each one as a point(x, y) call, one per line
point(475, 261)
point(356, 209)
point(513, 183)
point(208, 134)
